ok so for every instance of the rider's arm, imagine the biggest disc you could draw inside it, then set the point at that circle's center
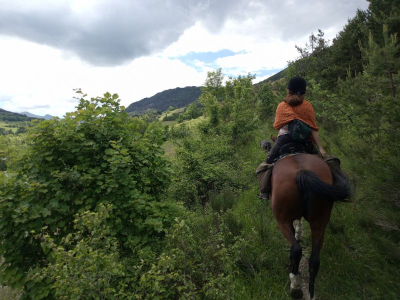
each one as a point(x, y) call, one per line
point(317, 140)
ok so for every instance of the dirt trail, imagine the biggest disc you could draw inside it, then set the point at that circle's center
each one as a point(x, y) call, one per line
point(304, 274)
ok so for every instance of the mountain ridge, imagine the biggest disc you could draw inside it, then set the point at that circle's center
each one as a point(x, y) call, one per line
point(177, 97)
point(10, 116)
point(30, 115)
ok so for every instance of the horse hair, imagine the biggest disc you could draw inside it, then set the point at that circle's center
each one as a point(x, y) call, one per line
point(309, 184)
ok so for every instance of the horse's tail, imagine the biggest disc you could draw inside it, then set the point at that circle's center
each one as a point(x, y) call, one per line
point(310, 184)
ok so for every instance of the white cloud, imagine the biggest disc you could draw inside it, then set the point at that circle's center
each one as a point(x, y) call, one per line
point(136, 44)
point(265, 56)
point(253, 54)
point(41, 79)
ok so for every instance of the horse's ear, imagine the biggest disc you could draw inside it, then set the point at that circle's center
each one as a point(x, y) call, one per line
point(273, 138)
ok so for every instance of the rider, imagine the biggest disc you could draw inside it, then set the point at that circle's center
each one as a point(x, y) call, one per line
point(293, 107)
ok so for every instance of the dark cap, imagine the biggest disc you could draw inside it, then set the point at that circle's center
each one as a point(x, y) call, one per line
point(297, 85)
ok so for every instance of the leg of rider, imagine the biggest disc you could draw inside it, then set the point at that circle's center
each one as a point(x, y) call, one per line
point(265, 188)
point(310, 147)
point(274, 152)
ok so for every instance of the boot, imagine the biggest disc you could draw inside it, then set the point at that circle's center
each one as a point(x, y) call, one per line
point(333, 163)
point(264, 172)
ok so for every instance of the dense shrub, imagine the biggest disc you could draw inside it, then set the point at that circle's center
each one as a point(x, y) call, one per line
point(97, 154)
point(86, 263)
point(199, 262)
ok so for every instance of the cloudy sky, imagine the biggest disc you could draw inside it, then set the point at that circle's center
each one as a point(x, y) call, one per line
point(137, 48)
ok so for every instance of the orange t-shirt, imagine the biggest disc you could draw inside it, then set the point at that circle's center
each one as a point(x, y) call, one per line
point(303, 112)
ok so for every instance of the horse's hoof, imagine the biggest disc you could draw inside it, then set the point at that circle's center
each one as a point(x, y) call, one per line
point(296, 293)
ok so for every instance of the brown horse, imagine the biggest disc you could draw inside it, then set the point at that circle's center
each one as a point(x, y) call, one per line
point(303, 185)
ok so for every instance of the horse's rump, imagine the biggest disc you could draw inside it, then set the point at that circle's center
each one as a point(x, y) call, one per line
point(301, 179)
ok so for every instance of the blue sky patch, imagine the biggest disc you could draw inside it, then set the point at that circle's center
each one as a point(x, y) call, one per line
point(262, 73)
point(208, 58)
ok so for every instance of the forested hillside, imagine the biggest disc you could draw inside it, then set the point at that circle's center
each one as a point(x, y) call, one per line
point(92, 208)
point(13, 117)
point(179, 97)
point(273, 78)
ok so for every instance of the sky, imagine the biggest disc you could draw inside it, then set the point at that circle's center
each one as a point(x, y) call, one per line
point(137, 48)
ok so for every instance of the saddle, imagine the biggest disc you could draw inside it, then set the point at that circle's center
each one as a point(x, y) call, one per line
point(296, 148)
point(292, 148)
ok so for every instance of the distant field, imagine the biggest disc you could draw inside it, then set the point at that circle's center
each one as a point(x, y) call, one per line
point(195, 122)
point(178, 110)
point(6, 126)
point(169, 123)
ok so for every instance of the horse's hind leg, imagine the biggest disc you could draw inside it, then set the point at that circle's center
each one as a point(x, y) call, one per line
point(317, 233)
point(295, 255)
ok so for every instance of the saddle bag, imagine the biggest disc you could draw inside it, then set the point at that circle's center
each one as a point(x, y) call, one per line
point(299, 131)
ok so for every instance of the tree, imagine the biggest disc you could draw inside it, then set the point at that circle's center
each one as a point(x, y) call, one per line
point(266, 102)
point(314, 58)
point(381, 12)
point(214, 84)
point(384, 60)
point(212, 93)
point(170, 109)
point(345, 51)
point(192, 111)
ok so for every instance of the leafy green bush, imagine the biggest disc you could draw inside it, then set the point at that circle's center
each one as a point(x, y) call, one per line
point(199, 262)
point(97, 154)
point(223, 200)
point(12, 147)
point(86, 264)
point(202, 164)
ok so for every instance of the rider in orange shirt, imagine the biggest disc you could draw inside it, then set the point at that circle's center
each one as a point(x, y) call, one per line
point(294, 107)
